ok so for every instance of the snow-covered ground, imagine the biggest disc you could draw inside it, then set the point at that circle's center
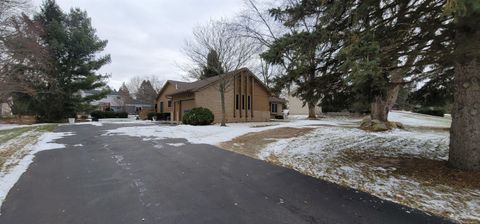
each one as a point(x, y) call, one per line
point(327, 152)
point(419, 120)
point(212, 134)
point(24, 149)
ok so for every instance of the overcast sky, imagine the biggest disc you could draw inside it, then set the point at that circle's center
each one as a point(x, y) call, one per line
point(145, 37)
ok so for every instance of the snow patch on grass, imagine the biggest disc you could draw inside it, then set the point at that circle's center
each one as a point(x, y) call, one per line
point(419, 120)
point(211, 134)
point(9, 177)
point(176, 144)
point(326, 153)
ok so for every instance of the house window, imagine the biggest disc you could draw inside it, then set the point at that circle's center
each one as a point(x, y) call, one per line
point(249, 103)
point(169, 103)
point(243, 102)
point(236, 102)
point(161, 107)
point(274, 108)
point(156, 107)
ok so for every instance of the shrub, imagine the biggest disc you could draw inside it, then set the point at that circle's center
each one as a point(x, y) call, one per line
point(160, 116)
point(198, 116)
point(108, 114)
point(435, 111)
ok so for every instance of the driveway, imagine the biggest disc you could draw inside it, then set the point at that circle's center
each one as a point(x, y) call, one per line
point(121, 179)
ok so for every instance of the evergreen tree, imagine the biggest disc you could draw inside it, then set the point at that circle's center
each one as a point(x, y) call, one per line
point(75, 47)
point(465, 130)
point(307, 52)
point(213, 66)
point(390, 45)
point(125, 94)
point(146, 93)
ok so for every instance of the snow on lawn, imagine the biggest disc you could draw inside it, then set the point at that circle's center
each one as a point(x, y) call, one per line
point(326, 153)
point(211, 134)
point(18, 163)
point(419, 120)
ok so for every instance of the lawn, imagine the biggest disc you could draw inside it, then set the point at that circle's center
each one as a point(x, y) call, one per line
point(14, 140)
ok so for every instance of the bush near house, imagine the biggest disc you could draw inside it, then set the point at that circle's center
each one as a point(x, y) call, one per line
point(160, 116)
point(108, 114)
point(198, 116)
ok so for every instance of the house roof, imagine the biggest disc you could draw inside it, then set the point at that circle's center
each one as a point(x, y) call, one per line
point(276, 99)
point(200, 84)
point(177, 84)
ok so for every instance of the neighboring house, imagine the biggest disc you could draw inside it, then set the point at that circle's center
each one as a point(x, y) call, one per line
point(276, 106)
point(246, 99)
point(296, 107)
point(115, 102)
point(5, 110)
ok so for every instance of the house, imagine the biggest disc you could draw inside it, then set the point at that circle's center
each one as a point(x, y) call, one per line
point(297, 107)
point(276, 106)
point(116, 102)
point(246, 98)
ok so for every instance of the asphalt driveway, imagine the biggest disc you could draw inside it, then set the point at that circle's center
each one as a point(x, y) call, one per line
point(120, 179)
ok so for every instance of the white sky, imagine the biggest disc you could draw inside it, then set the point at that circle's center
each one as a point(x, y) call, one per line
point(145, 37)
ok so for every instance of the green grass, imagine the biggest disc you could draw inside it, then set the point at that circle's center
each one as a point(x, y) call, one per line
point(6, 135)
point(15, 148)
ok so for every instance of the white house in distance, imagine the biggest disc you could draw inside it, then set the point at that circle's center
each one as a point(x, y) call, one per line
point(295, 105)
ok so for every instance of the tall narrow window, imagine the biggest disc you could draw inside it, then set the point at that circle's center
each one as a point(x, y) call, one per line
point(237, 103)
point(249, 103)
point(243, 102)
point(169, 103)
point(161, 107)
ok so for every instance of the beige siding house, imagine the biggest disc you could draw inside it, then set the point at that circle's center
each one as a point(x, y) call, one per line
point(246, 99)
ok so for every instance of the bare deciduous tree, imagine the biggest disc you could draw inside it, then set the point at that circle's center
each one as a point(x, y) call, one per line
point(234, 50)
point(24, 60)
point(134, 83)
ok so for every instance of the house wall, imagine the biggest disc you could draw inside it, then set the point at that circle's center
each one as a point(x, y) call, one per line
point(279, 110)
point(167, 89)
point(243, 85)
point(295, 107)
point(180, 105)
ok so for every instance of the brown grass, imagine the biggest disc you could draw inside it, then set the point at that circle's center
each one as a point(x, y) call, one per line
point(427, 171)
point(250, 144)
point(17, 150)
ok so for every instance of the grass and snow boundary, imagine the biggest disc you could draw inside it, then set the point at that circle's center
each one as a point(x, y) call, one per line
point(19, 151)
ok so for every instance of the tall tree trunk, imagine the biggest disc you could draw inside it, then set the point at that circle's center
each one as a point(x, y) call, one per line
point(311, 110)
point(465, 130)
point(222, 99)
point(379, 109)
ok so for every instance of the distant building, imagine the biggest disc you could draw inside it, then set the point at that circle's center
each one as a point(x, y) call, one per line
point(296, 107)
point(115, 102)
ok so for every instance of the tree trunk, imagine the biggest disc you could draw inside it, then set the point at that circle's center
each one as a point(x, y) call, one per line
point(379, 109)
point(222, 99)
point(465, 131)
point(311, 111)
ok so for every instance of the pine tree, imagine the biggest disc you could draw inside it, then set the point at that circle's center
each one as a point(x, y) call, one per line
point(465, 130)
point(124, 93)
point(213, 66)
point(75, 47)
point(307, 52)
point(146, 93)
